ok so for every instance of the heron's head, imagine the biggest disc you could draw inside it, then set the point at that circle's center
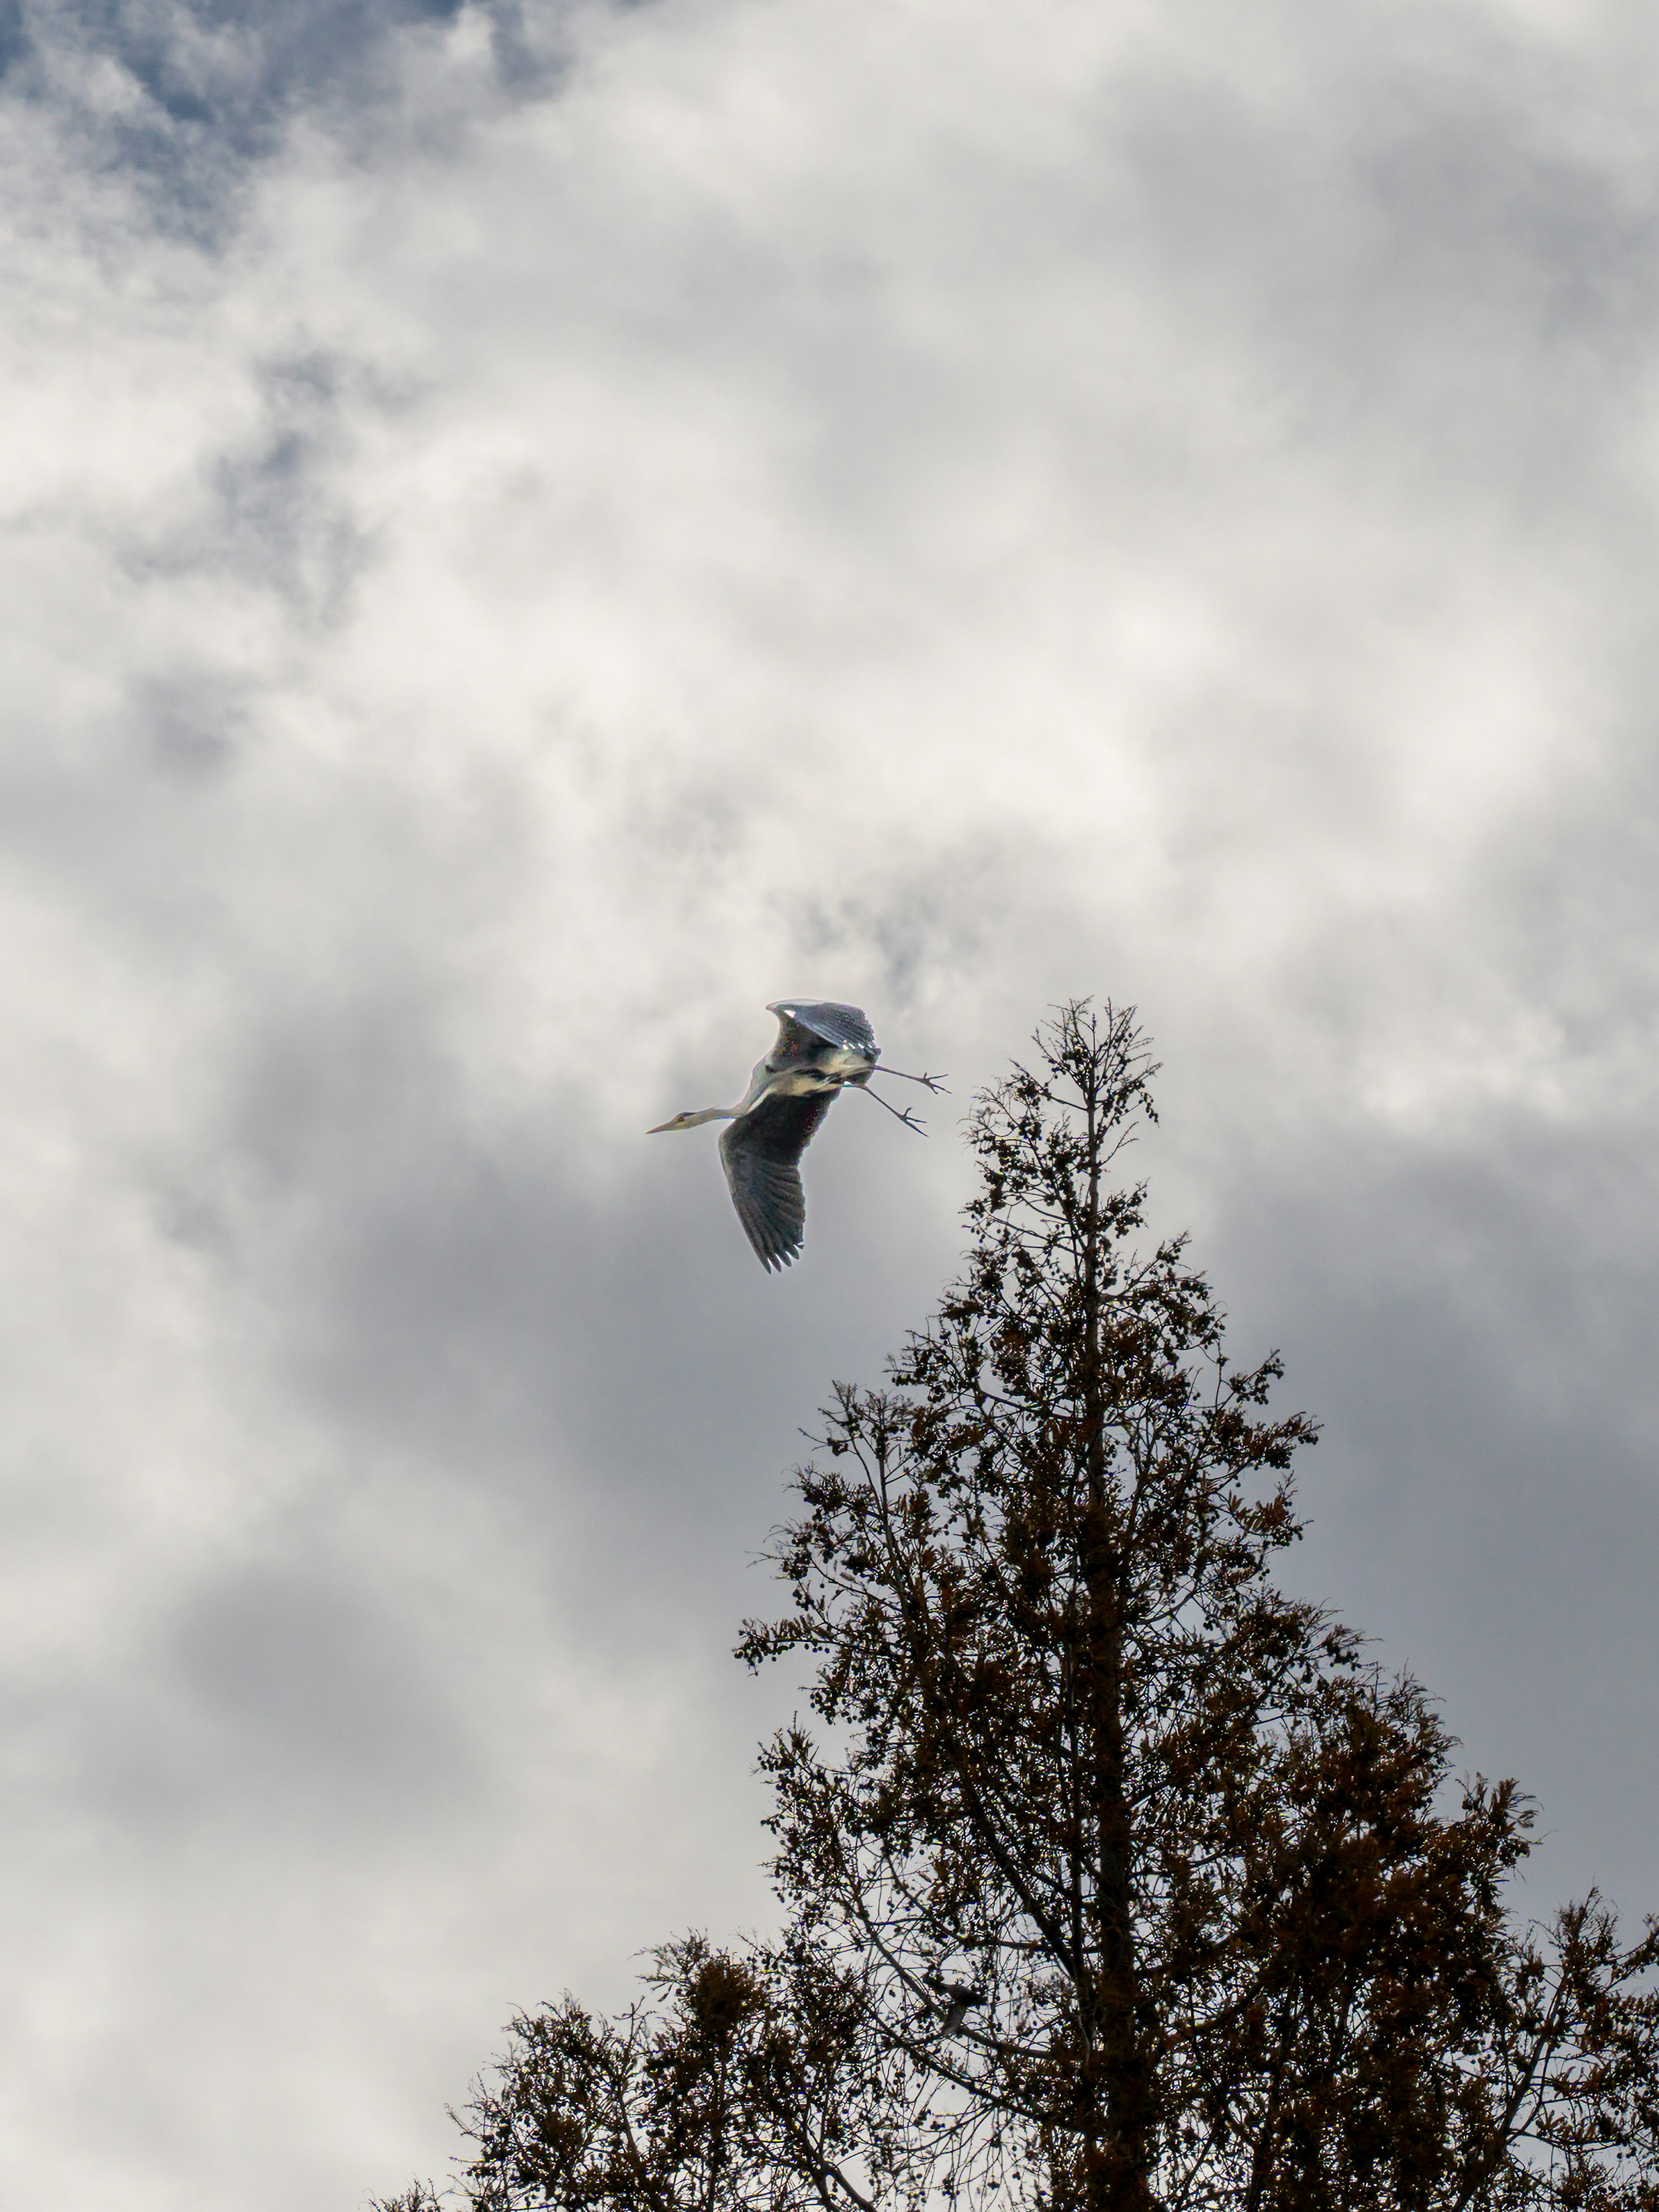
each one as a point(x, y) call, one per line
point(693, 1121)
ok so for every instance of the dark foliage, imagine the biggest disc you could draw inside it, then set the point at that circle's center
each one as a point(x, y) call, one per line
point(747, 2079)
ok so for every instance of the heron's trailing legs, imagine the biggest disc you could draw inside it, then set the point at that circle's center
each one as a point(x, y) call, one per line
point(935, 1083)
point(899, 1113)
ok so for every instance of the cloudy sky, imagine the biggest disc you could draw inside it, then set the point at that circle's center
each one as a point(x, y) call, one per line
point(531, 531)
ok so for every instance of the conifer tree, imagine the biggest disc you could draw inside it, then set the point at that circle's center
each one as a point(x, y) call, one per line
point(1113, 1876)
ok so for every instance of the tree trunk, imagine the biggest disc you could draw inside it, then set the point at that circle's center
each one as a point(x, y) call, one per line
point(1116, 2083)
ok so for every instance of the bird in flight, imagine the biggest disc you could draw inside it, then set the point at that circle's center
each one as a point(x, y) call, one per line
point(957, 2000)
point(822, 1049)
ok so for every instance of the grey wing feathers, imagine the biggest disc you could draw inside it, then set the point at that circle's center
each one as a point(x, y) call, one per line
point(761, 1154)
point(836, 1025)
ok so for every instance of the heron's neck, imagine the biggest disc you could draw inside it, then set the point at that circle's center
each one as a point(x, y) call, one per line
point(709, 1114)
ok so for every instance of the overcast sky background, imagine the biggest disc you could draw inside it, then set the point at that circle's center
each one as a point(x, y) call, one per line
point(529, 532)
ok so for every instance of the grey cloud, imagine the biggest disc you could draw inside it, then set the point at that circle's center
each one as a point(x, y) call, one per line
point(1476, 1324)
point(269, 513)
point(283, 1701)
point(192, 720)
point(216, 83)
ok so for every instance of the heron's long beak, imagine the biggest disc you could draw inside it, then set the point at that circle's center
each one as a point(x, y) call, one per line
point(661, 1126)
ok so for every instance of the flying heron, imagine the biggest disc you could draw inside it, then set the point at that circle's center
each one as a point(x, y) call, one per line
point(822, 1049)
point(957, 2000)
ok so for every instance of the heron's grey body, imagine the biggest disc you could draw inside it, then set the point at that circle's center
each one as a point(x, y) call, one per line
point(822, 1048)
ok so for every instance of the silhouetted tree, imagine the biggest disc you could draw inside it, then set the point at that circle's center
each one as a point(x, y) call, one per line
point(1120, 1878)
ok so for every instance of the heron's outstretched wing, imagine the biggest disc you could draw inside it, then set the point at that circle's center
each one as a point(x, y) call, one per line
point(823, 1018)
point(761, 1154)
